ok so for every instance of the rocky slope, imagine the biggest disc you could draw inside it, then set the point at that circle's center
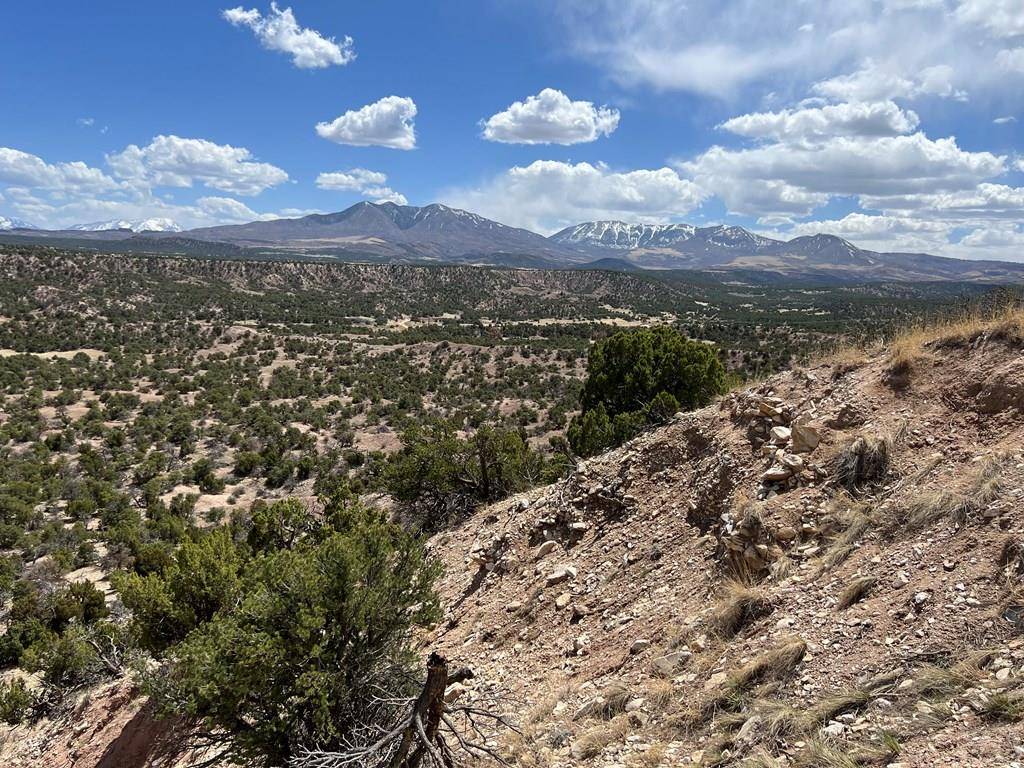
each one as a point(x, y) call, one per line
point(825, 569)
point(822, 570)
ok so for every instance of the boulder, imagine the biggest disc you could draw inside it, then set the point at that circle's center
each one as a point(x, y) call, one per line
point(792, 462)
point(547, 548)
point(805, 438)
point(639, 646)
point(775, 474)
point(717, 680)
point(670, 662)
point(559, 575)
point(847, 415)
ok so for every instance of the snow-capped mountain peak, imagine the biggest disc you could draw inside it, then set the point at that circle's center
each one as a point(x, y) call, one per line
point(734, 237)
point(10, 222)
point(623, 236)
point(155, 224)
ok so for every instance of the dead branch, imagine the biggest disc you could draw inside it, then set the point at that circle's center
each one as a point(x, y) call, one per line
point(423, 734)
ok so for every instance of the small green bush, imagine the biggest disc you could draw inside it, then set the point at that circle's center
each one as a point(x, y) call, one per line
point(15, 702)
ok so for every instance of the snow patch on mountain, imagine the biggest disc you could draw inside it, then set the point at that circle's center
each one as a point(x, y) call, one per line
point(156, 224)
point(10, 222)
point(623, 236)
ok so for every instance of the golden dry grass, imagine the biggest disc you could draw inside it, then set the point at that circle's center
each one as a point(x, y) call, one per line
point(738, 606)
point(660, 694)
point(983, 486)
point(910, 347)
point(825, 753)
point(1003, 706)
point(856, 591)
point(834, 704)
point(939, 682)
point(849, 520)
point(776, 663)
point(593, 742)
point(558, 692)
point(653, 756)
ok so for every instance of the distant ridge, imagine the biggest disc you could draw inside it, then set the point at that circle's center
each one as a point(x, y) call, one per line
point(133, 225)
point(391, 233)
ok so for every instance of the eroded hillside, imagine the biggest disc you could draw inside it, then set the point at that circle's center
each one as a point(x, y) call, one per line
point(823, 570)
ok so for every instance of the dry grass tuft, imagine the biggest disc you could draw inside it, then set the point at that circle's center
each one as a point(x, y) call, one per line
point(835, 704)
point(544, 708)
point(594, 741)
point(781, 569)
point(1004, 707)
point(983, 487)
point(659, 693)
point(825, 753)
point(850, 520)
point(739, 606)
point(653, 756)
point(938, 682)
point(905, 354)
point(856, 591)
point(1004, 324)
point(865, 460)
point(908, 349)
point(613, 700)
point(775, 664)
point(761, 759)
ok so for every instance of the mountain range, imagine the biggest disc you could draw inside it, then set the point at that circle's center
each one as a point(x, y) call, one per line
point(10, 222)
point(387, 232)
point(157, 224)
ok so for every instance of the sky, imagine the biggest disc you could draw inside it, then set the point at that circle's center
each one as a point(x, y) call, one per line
point(893, 123)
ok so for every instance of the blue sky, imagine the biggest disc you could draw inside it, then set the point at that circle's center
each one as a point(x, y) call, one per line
point(891, 122)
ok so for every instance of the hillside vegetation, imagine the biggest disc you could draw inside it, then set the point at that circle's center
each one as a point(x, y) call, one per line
point(216, 479)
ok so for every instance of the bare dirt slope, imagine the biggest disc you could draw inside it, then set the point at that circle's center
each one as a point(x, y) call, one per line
point(722, 591)
point(825, 569)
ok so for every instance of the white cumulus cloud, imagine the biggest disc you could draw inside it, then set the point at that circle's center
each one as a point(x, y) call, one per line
point(794, 177)
point(812, 123)
point(550, 117)
point(385, 123)
point(171, 161)
point(23, 169)
point(370, 184)
point(279, 31)
point(354, 179)
point(873, 81)
point(547, 195)
point(1003, 18)
point(59, 194)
